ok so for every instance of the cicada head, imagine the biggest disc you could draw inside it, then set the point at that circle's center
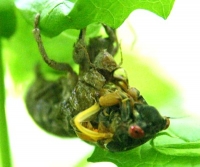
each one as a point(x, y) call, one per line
point(133, 126)
point(119, 127)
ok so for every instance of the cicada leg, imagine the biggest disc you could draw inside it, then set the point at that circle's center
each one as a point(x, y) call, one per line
point(86, 133)
point(110, 99)
point(80, 53)
point(97, 44)
point(53, 64)
point(112, 39)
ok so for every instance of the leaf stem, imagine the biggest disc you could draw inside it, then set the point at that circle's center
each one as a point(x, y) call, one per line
point(5, 160)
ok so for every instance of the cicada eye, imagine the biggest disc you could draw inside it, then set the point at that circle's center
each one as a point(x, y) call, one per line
point(136, 132)
point(167, 122)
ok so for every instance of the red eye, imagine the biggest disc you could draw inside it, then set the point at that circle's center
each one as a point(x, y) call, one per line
point(136, 132)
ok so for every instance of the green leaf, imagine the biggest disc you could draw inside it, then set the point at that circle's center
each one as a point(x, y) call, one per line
point(58, 15)
point(7, 18)
point(5, 158)
point(183, 142)
point(143, 156)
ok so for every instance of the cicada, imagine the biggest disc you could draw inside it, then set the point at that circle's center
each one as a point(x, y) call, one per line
point(98, 105)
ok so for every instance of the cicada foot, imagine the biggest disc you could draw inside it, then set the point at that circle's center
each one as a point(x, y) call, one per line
point(84, 129)
point(113, 41)
point(80, 53)
point(97, 44)
point(120, 77)
point(53, 64)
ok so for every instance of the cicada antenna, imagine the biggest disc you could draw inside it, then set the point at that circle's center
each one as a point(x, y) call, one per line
point(180, 117)
point(53, 64)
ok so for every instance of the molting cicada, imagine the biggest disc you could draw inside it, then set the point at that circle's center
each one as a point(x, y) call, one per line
point(97, 105)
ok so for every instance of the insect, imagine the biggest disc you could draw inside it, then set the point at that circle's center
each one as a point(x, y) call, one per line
point(97, 105)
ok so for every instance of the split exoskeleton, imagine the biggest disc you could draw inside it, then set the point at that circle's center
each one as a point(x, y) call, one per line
point(97, 105)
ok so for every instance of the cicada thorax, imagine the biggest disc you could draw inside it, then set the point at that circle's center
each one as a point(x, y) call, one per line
point(87, 92)
point(96, 66)
point(96, 69)
point(53, 104)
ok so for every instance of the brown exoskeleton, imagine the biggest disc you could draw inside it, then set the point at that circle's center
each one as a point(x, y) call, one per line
point(47, 100)
point(97, 105)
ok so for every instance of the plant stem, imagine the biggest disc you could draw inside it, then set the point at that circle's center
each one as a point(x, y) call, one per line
point(5, 160)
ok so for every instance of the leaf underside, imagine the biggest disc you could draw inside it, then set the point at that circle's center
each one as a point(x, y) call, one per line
point(58, 15)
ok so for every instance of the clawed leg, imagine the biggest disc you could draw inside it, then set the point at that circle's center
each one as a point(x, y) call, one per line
point(80, 53)
point(53, 64)
point(97, 44)
point(112, 40)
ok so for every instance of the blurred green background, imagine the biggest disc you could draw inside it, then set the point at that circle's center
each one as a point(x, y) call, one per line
point(160, 56)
